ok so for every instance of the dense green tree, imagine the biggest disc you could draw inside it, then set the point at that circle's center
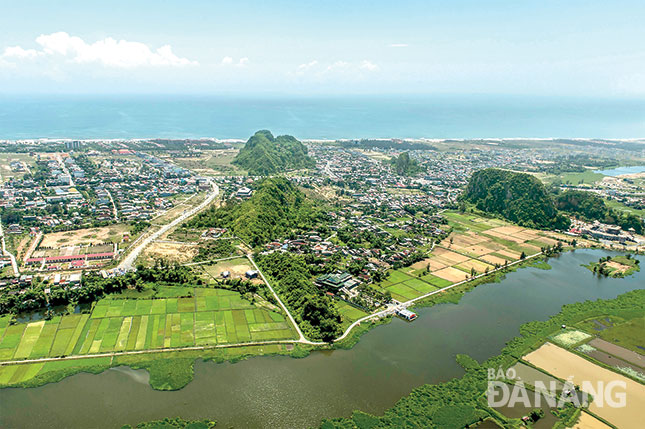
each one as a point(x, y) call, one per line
point(276, 208)
point(264, 154)
point(518, 197)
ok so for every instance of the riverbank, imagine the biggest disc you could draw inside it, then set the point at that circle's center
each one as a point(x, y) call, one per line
point(173, 369)
point(462, 401)
point(384, 366)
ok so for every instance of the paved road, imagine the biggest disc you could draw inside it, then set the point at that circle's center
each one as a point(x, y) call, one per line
point(14, 263)
point(128, 262)
point(391, 309)
point(65, 170)
point(32, 247)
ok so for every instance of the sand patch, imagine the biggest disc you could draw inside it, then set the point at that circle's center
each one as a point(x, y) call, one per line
point(617, 266)
point(90, 236)
point(172, 252)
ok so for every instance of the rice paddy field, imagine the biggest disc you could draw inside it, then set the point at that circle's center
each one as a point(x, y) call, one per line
point(564, 365)
point(209, 317)
point(476, 243)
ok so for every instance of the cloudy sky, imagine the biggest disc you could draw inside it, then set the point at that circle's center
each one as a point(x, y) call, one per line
point(580, 48)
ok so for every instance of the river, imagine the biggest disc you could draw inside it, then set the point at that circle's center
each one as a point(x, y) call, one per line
point(282, 392)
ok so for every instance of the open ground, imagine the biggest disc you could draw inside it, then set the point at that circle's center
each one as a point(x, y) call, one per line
point(101, 235)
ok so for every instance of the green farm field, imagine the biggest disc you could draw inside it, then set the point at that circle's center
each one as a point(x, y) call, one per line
point(349, 313)
point(209, 317)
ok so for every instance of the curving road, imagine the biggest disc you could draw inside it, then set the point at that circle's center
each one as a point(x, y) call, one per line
point(128, 262)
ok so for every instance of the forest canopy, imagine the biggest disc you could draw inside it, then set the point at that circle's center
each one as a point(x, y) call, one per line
point(276, 209)
point(264, 154)
point(518, 197)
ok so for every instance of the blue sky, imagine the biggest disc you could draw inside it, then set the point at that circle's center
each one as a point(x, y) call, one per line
point(569, 48)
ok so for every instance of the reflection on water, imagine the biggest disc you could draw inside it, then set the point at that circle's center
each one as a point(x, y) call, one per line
point(138, 375)
point(280, 391)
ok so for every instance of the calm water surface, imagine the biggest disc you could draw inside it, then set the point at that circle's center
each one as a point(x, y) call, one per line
point(623, 170)
point(282, 392)
point(431, 116)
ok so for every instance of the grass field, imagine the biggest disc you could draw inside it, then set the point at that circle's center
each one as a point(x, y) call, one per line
point(620, 207)
point(349, 313)
point(628, 334)
point(587, 177)
point(209, 317)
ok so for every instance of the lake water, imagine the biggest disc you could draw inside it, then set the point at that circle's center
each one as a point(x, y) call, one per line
point(282, 392)
point(619, 171)
point(436, 116)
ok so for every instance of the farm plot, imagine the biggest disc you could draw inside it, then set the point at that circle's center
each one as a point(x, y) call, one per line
point(587, 421)
point(476, 243)
point(404, 287)
point(564, 364)
point(209, 317)
point(451, 274)
point(618, 351)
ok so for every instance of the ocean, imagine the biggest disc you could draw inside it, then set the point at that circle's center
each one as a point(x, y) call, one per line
point(442, 116)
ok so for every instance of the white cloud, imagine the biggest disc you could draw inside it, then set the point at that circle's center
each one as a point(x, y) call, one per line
point(20, 53)
point(228, 61)
point(303, 68)
point(343, 71)
point(398, 45)
point(108, 52)
point(369, 66)
point(337, 66)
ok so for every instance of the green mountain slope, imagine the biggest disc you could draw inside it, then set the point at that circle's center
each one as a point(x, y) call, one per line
point(518, 197)
point(589, 206)
point(264, 154)
point(276, 208)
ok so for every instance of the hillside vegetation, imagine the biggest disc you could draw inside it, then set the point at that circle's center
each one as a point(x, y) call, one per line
point(590, 207)
point(276, 209)
point(315, 312)
point(264, 154)
point(518, 197)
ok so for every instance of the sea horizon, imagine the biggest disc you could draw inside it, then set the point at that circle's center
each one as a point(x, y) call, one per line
point(324, 117)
